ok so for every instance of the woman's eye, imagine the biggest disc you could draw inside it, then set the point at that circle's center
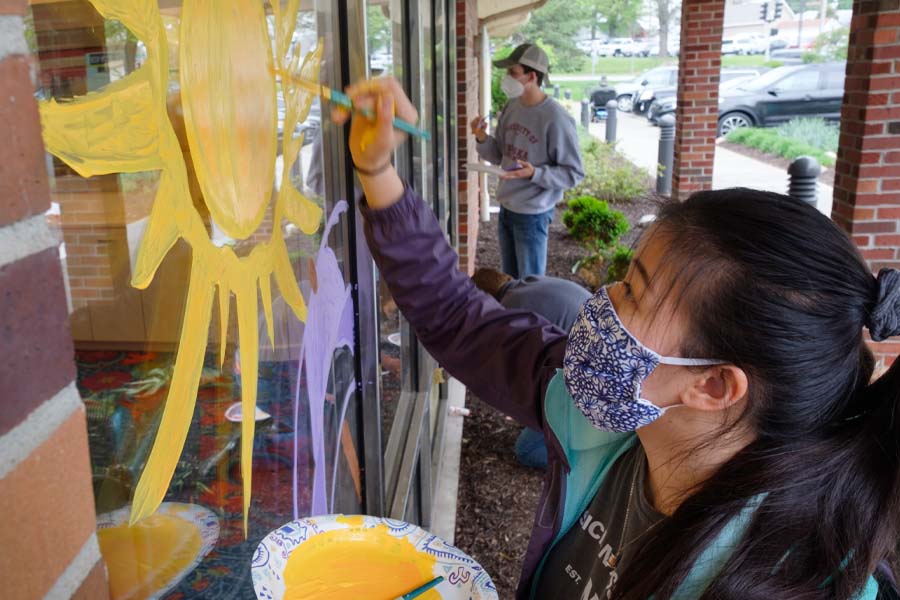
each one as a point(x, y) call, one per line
point(627, 287)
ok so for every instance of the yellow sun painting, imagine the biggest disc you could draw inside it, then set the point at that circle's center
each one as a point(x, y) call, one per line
point(228, 92)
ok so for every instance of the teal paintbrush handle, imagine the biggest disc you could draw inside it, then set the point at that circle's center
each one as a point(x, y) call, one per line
point(344, 100)
point(422, 589)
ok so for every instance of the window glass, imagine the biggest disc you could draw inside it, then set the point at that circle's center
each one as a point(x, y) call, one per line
point(657, 76)
point(183, 299)
point(834, 79)
point(384, 46)
point(802, 81)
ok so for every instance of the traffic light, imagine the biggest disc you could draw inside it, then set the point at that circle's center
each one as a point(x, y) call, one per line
point(764, 12)
point(777, 14)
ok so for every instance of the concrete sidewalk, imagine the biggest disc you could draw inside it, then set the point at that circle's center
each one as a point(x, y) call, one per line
point(639, 141)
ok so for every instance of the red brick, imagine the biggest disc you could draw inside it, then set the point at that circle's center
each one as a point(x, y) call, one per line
point(862, 241)
point(875, 227)
point(48, 504)
point(36, 344)
point(95, 585)
point(23, 176)
point(884, 264)
point(889, 142)
point(884, 83)
point(873, 171)
point(878, 254)
point(888, 52)
point(887, 240)
point(12, 7)
point(877, 199)
point(885, 35)
point(889, 212)
point(890, 184)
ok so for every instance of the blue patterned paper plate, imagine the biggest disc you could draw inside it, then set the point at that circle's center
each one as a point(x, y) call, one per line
point(464, 579)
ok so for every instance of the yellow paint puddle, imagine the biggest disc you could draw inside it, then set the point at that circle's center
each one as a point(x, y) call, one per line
point(348, 564)
point(143, 558)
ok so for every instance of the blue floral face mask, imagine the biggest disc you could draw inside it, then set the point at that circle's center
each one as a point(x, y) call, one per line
point(605, 367)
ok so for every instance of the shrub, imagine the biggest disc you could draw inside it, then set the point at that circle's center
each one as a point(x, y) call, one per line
point(832, 45)
point(593, 223)
point(800, 137)
point(817, 133)
point(608, 174)
point(619, 263)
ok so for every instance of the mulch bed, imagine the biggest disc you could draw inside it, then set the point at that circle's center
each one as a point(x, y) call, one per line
point(497, 495)
point(827, 176)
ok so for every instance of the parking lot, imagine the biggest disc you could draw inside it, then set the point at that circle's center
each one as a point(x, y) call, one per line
point(639, 141)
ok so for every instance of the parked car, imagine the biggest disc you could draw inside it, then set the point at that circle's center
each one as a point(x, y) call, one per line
point(788, 56)
point(751, 44)
point(658, 77)
point(729, 47)
point(673, 46)
point(661, 101)
point(782, 94)
point(776, 43)
point(618, 47)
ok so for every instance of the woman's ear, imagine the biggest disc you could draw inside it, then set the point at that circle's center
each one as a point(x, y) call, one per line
point(717, 388)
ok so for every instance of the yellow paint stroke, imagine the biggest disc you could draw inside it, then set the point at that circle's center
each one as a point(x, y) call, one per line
point(348, 564)
point(228, 93)
point(229, 109)
point(143, 558)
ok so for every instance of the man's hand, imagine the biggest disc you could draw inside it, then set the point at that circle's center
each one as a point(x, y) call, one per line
point(526, 171)
point(479, 128)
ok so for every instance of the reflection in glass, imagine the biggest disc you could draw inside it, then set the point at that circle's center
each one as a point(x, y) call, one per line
point(126, 339)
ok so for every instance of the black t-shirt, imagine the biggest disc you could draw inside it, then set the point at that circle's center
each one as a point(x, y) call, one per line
point(581, 566)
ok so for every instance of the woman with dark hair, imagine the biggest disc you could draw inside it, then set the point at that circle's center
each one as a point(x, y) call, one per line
point(712, 424)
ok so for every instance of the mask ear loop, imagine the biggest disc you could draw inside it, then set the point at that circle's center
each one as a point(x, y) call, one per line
point(690, 362)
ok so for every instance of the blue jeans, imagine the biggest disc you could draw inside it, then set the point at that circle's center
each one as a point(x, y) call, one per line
point(523, 242)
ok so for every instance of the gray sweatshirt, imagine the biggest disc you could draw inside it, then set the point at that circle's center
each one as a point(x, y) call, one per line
point(545, 136)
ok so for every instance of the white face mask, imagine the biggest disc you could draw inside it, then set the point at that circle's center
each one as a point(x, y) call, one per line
point(511, 86)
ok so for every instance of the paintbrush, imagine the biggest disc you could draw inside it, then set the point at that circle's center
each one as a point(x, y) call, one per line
point(342, 99)
point(421, 589)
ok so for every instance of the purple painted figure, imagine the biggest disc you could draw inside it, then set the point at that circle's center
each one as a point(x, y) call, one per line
point(329, 325)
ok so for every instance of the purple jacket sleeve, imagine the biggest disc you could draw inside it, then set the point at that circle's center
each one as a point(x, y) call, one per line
point(506, 357)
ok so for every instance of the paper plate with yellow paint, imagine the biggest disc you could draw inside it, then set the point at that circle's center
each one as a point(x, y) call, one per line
point(149, 558)
point(337, 557)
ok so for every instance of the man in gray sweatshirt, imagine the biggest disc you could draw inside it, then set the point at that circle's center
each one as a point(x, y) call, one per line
point(536, 142)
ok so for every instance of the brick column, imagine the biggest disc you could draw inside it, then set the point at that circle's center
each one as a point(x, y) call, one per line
point(467, 109)
point(696, 116)
point(867, 173)
point(47, 533)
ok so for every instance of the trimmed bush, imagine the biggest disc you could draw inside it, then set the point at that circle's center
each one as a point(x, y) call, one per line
point(800, 137)
point(619, 263)
point(608, 174)
point(593, 223)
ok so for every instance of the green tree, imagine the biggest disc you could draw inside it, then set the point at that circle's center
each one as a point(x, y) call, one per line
point(621, 15)
point(557, 25)
point(667, 12)
point(378, 29)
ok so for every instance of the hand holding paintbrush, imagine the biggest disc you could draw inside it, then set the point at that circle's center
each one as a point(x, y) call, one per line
point(344, 101)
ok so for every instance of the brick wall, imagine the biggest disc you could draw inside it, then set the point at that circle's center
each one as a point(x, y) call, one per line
point(867, 173)
point(49, 548)
point(467, 86)
point(696, 116)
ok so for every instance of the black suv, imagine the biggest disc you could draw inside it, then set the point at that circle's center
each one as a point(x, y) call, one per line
point(782, 94)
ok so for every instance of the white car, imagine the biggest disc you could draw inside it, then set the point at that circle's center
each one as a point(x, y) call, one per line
point(673, 46)
point(744, 44)
point(618, 47)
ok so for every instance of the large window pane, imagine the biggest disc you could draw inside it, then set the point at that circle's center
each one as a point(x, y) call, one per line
point(144, 227)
